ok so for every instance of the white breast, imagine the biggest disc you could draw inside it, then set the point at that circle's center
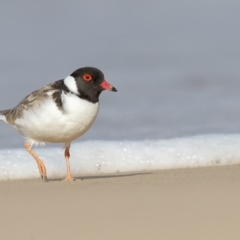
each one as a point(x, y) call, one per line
point(48, 123)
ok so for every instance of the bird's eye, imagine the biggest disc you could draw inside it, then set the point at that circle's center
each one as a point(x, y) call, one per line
point(87, 77)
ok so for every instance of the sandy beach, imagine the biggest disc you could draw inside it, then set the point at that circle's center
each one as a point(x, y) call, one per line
point(200, 203)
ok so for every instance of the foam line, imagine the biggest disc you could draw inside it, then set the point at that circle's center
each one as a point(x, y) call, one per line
point(109, 157)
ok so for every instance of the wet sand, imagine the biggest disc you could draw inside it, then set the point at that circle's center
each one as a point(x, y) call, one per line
point(200, 203)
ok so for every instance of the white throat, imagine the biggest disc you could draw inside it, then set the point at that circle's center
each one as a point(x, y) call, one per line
point(70, 82)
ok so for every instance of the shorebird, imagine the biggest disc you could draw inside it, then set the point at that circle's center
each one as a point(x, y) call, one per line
point(59, 112)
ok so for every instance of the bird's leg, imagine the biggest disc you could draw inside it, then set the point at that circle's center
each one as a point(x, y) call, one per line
point(69, 176)
point(41, 167)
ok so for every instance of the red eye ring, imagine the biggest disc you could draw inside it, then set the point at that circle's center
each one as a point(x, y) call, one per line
point(87, 77)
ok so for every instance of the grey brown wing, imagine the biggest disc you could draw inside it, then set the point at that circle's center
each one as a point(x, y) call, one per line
point(33, 100)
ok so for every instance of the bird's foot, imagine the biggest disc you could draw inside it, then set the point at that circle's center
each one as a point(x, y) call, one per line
point(44, 178)
point(42, 171)
point(69, 178)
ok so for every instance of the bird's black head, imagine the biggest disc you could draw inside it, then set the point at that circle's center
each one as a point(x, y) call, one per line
point(90, 83)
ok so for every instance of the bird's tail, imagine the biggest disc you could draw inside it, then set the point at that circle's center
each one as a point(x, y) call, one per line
point(3, 114)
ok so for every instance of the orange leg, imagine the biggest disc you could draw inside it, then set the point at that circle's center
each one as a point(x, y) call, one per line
point(41, 167)
point(69, 176)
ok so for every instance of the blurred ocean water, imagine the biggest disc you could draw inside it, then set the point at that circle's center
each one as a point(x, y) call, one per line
point(175, 63)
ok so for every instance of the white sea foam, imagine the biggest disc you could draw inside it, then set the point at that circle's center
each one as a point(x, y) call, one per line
point(109, 157)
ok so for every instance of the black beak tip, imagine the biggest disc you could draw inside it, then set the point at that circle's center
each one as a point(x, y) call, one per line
point(114, 89)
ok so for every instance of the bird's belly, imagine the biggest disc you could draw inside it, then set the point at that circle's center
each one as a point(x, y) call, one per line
point(49, 124)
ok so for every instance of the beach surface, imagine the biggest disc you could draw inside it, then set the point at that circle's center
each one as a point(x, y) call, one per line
point(180, 204)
